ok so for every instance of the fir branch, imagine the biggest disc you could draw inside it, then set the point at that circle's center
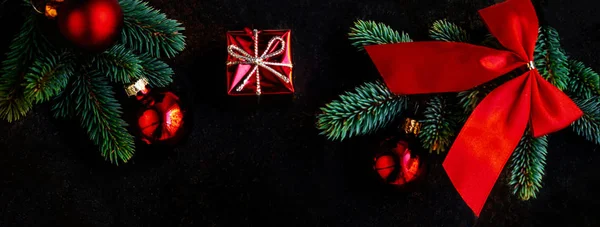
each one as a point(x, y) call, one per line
point(158, 73)
point(119, 64)
point(368, 108)
point(583, 81)
point(550, 59)
point(469, 99)
point(588, 125)
point(442, 30)
point(99, 113)
point(366, 33)
point(147, 30)
point(48, 76)
point(527, 166)
point(439, 125)
point(22, 49)
point(63, 104)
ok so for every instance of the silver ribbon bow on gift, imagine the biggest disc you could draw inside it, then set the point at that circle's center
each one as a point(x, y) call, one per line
point(256, 60)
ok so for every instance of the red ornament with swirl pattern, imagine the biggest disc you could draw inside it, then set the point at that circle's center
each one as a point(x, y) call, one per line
point(397, 163)
point(162, 118)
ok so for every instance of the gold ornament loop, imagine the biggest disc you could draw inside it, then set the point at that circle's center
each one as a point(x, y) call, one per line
point(35, 8)
point(412, 126)
point(136, 87)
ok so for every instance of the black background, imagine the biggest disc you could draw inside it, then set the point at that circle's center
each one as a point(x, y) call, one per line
point(265, 165)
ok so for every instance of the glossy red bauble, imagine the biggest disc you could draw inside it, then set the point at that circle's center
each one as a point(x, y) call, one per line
point(91, 25)
point(162, 118)
point(399, 166)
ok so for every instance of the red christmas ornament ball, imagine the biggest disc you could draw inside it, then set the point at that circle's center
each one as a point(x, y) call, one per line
point(399, 166)
point(92, 25)
point(162, 119)
point(149, 122)
point(385, 165)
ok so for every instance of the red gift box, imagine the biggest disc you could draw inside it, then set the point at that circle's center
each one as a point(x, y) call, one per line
point(259, 62)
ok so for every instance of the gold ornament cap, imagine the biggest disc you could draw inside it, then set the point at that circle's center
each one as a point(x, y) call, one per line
point(50, 7)
point(136, 87)
point(412, 126)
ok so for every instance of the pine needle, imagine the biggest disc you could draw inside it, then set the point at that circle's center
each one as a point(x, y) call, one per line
point(366, 33)
point(442, 30)
point(48, 76)
point(527, 166)
point(119, 64)
point(368, 108)
point(99, 113)
point(63, 106)
point(588, 125)
point(550, 59)
point(158, 73)
point(583, 81)
point(439, 125)
point(147, 30)
point(22, 50)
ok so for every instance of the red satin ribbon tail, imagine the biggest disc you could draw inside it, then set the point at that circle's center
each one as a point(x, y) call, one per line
point(551, 109)
point(487, 140)
point(435, 67)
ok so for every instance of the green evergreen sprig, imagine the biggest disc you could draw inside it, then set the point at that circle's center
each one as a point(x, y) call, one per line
point(22, 49)
point(442, 30)
point(527, 166)
point(439, 125)
point(550, 59)
point(35, 71)
point(158, 73)
point(588, 125)
point(48, 76)
point(119, 64)
point(147, 30)
point(63, 104)
point(99, 113)
point(366, 33)
point(368, 108)
point(583, 81)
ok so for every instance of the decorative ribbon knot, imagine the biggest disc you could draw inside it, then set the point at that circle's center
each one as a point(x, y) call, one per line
point(531, 65)
point(493, 130)
point(258, 61)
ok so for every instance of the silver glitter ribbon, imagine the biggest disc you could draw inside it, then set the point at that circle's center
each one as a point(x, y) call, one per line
point(258, 61)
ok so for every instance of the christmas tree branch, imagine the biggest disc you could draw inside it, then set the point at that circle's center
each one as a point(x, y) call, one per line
point(63, 102)
point(22, 49)
point(583, 81)
point(147, 30)
point(442, 30)
point(158, 73)
point(100, 115)
point(48, 76)
point(119, 64)
point(588, 125)
point(550, 59)
point(439, 125)
point(368, 108)
point(527, 166)
point(366, 33)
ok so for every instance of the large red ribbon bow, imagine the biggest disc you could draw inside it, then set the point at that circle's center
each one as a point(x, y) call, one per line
point(495, 127)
